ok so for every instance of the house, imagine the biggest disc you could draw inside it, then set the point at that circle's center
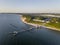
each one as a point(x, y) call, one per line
point(38, 20)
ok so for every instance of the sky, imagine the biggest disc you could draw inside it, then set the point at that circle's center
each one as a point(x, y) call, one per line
point(30, 6)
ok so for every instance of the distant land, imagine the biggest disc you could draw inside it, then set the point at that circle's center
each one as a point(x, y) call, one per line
point(34, 13)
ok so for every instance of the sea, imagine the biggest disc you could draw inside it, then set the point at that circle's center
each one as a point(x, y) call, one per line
point(12, 22)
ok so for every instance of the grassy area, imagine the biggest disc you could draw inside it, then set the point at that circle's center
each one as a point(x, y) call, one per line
point(54, 25)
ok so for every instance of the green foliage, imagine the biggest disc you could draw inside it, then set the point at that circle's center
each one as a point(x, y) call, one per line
point(52, 23)
point(36, 17)
point(39, 17)
point(54, 19)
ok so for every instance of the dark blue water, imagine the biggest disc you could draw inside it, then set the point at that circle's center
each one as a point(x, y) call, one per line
point(12, 22)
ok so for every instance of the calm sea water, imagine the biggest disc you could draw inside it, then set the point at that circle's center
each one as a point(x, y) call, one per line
point(12, 22)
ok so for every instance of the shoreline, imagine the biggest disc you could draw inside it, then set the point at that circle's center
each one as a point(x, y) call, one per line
point(37, 25)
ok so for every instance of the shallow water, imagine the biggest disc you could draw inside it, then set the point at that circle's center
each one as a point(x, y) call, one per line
point(12, 22)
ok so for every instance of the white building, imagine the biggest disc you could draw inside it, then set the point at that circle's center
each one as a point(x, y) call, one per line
point(41, 20)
